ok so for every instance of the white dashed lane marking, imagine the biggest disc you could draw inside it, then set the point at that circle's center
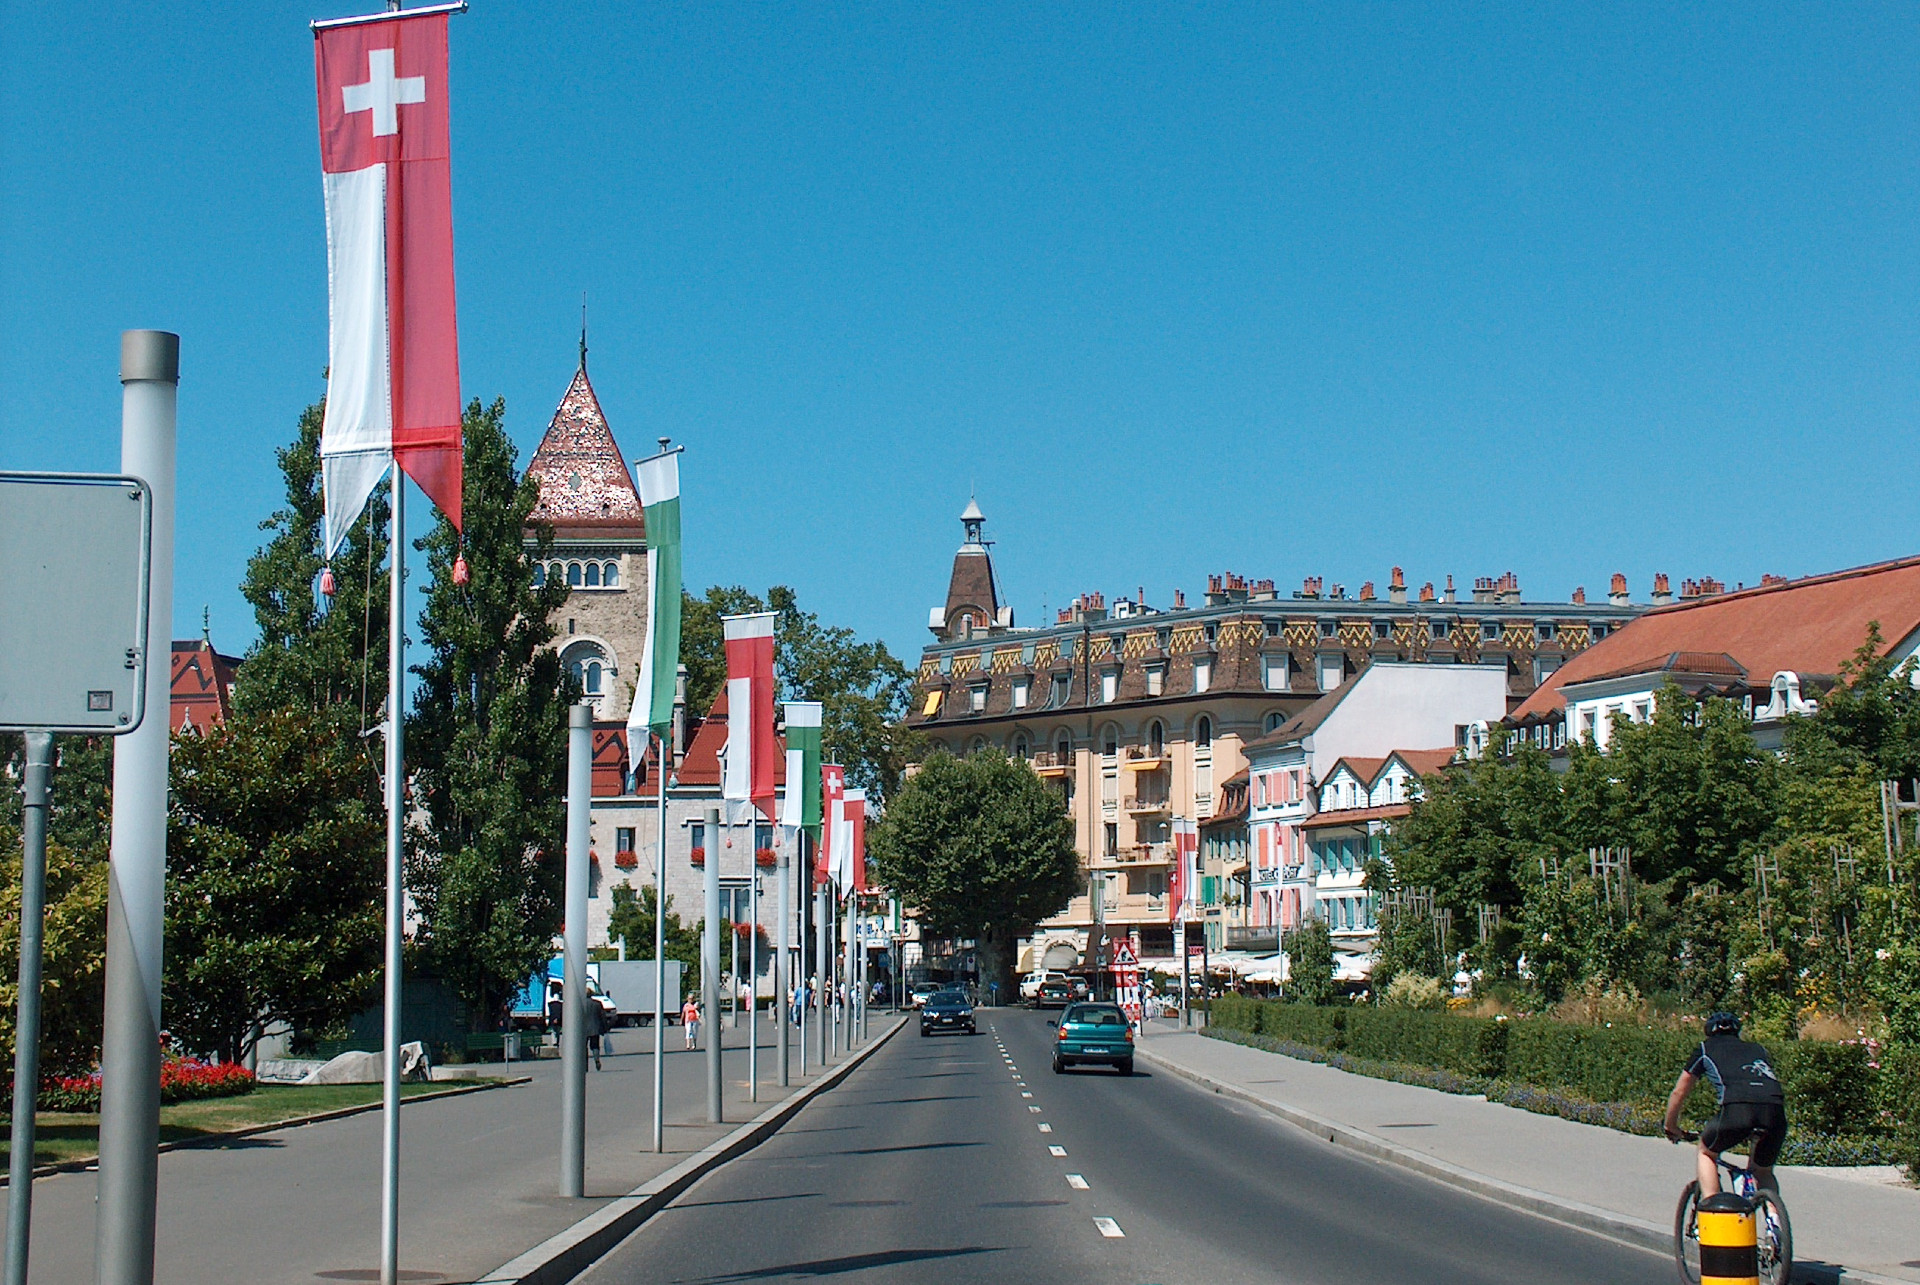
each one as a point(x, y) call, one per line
point(1109, 1228)
point(1035, 1110)
point(1046, 1128)
point(1025, 1093)
point(1056, 1151)
point(1075, 1181)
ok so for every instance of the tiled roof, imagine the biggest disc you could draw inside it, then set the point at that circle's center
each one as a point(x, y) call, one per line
point(1426, 762)
point(200, 686)
point(1307, 720)
point(1365, 770)
point(1810, 626)
point(1355, 816)
point(1678, 662)
point(700, 765)
point(585, 488)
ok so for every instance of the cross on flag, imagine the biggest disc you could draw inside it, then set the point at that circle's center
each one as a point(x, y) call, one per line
point(393, 379)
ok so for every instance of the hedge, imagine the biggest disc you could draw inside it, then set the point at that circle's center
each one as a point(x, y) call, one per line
point(1833, 1089)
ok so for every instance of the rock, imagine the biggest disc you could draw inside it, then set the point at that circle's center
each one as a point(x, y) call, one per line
point(354, 1067)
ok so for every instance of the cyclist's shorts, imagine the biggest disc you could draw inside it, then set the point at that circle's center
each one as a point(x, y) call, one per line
point(1764, 1122)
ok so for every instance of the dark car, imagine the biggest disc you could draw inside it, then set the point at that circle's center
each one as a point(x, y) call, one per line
point(1094, 1035)
point(946, 1011)
point(1053, 995)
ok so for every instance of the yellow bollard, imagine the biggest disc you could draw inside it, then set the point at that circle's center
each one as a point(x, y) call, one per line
point(1727, 1246)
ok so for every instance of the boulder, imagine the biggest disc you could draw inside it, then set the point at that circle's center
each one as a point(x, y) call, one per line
point(354, 1067)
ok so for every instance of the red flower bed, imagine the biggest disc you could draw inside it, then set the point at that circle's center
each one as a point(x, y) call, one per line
point(626, 860)
point(181, 1079)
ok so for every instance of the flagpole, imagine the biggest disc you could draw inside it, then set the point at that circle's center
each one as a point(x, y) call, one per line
point(660, 952)
point(753, 972)
point(396, 808)
point(782, 966)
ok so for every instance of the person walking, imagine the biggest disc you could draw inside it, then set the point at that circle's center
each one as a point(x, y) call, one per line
point(690, 1018)
point(596, 1028)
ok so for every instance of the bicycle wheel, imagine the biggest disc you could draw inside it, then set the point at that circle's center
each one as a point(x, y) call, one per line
point(1773, 1237)
point(1686, 1235)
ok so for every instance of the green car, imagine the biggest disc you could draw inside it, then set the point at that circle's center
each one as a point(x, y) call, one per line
point(1097, 1034)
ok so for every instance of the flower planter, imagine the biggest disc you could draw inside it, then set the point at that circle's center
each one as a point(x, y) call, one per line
point(764, 857)
point(626, 860)
point(698, 856)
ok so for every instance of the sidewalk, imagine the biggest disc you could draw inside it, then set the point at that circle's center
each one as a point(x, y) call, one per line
point(1864, 1219)
point(479, 1175)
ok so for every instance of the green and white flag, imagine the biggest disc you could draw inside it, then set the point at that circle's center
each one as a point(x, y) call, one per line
point(802, 805)
point(660, 661)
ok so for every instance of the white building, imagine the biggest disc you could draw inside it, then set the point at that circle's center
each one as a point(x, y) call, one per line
point(1386, 706)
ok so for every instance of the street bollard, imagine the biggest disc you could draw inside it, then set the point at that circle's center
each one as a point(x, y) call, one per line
point(1728, 1253)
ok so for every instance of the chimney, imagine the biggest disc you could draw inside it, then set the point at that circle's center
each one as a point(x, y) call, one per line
point(1426, 592)
point(1397, 587)
point(1179, 599)
point(1662, 589)
point(1452, 596)
point(1339, 591)
point(1262, 591)
point(1366, 592)
point(1768, 580)
point(1617, 590)
point(1309, 587)
point(1509, 588)
point(1580, 595)
point(1483, 589)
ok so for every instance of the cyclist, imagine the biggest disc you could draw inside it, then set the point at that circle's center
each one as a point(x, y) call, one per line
point(1752, 1104)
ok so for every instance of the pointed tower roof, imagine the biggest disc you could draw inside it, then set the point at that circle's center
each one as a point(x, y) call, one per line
point(586, 491)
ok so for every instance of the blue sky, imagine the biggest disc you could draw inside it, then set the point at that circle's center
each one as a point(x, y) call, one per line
point(1277, 289)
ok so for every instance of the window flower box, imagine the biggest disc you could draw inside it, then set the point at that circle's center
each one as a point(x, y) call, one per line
point(764, 857)
point(698, 856)
point(626, 860)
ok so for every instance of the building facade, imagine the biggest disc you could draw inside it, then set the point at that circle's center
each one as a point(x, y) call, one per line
point(1138, 714)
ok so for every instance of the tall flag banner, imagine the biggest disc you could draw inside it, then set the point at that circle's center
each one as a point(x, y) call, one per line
point(1186, 845)
point(856, 814)
point(833, 789)
point(653, 688)
point(393, 359)
point(752, 746)
point(802, 804)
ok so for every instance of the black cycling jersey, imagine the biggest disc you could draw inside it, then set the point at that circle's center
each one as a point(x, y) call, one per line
point(1740, 1072)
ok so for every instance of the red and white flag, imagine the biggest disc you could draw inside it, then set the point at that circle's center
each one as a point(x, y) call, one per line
point(856, 814)
point(753, 748)
point(833, 821)
point(393, 362)
point(1186, 846)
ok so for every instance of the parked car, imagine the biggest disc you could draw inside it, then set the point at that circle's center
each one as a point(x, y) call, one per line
point(1053, 995)
point(1080, 988)
point(1030, 984)
point(946, 1011)
point(921, 992)
point(1093, 1035)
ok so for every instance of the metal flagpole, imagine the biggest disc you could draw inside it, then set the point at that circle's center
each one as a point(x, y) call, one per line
point(396, 814)
point(573, 995)
point(660, 952)
point(753, 981)
point(823, 974)
point(137, 868)
point(26, 1028)
point(800, 955)
point(710, 966)
point(782, 966)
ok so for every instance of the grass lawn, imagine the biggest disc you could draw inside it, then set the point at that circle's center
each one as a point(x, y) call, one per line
point(62, 1136)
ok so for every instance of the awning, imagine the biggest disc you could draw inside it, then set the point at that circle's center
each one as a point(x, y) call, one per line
point(1145, 765)
point(932, 706)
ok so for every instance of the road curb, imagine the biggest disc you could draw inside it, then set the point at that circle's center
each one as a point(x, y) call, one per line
point(253, 1130)
point(566, 1254)
point(1635, 1232)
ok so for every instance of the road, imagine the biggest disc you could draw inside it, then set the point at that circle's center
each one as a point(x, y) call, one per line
point(957, 1159)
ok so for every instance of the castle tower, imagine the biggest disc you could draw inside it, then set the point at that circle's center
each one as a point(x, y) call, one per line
point(600, 543)
point(973, 595)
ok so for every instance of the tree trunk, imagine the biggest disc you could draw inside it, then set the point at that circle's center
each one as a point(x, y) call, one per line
point(996, 947)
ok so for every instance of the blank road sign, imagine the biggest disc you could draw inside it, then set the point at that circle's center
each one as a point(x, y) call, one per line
point(73, 601)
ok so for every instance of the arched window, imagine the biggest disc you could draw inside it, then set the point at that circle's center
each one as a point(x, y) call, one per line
point(1063, 748)
point(978, 743)
point(964, 629)
point(1021, 748)
point(590, 684)
point(1203, 733)
point(1110, 743)
point(589, 666)
point(539, 574)
point(1156, 739)
point(573, 574)
point(593, 575)
point(1275, 720)
point(611, 576)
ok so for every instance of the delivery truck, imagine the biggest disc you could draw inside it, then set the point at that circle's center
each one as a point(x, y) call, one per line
point(623, 989)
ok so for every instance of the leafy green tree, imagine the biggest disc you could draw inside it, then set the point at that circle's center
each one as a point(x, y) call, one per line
point(1310, 963)
point(487, 740)
point(312, 652)
point(978, 847)
point(631, 921)
point(73, 958)
point(863, 689)
point(274, 879)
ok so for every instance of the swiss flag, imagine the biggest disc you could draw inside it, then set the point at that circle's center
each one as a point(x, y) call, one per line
point(393, 386)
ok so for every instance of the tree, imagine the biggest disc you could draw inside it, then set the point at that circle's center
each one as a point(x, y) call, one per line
point(487, 740)
point(274, 859)
point(313, 653)
point(1310, 962)
point(978, 847)
point(631, 921)
point(73, 953)
point(863, 689)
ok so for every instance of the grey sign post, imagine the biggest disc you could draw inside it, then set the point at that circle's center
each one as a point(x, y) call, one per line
point(74, 569)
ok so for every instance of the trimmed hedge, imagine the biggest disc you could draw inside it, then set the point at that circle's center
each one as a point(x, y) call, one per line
point(1832, 1089)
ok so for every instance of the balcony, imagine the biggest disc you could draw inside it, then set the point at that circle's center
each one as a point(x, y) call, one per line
point(1145, 758)
point(1140, 805)
point(1052, 763)
point(1140, 854)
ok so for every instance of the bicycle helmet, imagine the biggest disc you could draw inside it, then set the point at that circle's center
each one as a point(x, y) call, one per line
point(1723, 1023)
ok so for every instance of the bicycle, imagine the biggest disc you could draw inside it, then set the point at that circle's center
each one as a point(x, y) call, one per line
point(1773, 1233)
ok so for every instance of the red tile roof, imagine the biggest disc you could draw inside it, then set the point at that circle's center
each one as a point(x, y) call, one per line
point(200, 687)
point(1426, 762)
point(1355, 816)
point(1810, 626)
point(700, 765)
point(585, 488)
point(1365, 770)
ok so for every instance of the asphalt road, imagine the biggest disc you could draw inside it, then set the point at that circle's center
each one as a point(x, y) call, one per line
point(956, 1159)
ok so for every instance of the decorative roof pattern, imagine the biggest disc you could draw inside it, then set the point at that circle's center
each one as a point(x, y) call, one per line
point(585, 487)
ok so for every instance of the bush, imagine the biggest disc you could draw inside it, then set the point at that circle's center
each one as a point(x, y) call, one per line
point(1830, 1086)
point(1603, 1063)
point(1411, 990)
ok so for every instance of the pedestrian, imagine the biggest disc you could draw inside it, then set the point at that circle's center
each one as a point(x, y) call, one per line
point(690, 1018)
point(595, 1024)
